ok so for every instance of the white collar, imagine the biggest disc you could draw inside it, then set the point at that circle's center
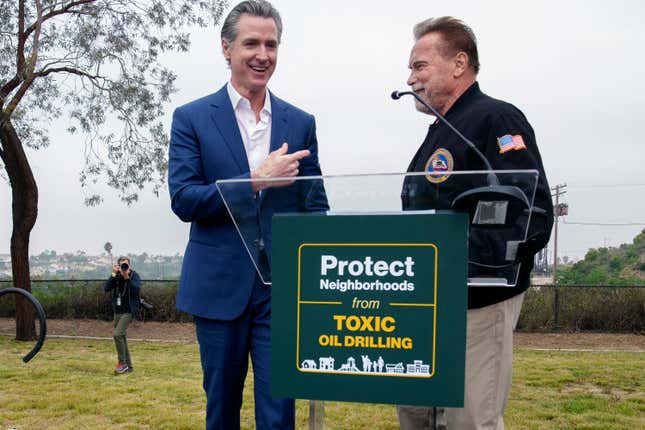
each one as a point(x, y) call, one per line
point(237, 98)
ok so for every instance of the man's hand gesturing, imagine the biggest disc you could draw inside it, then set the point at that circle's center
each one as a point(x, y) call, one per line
point(278, 164)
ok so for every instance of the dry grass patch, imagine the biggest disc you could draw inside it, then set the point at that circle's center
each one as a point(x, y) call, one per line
point(71, 385)
point(577, 390)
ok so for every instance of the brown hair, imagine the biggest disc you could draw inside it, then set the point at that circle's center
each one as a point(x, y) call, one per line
point(458, 37)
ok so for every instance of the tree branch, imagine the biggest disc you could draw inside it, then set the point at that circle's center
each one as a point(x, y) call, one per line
point(56, 61)
point(22, 37)
point(8, 88)
point(33, 58)
point(11, 106)
point(12, 84)
point(45, 72)
point(25, 69)
point(53, 13)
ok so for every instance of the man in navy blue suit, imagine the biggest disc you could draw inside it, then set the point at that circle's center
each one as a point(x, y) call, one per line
point(241, 131)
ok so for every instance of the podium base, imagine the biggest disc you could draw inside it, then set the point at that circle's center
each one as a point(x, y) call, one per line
point(316, 415)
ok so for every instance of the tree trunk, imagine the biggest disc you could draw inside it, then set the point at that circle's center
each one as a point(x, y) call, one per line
point(24, 212)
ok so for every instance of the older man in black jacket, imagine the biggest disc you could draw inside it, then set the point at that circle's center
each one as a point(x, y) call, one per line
point(443, 71)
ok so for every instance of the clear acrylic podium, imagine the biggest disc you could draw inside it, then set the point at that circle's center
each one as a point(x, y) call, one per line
point(499, 205)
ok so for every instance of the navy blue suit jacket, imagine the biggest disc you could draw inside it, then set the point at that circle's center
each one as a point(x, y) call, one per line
point(205, 145)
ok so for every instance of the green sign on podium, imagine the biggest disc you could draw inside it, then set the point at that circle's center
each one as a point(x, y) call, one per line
point(369, 308)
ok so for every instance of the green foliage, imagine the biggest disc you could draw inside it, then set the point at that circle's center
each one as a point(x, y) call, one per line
point(99, 62)
point(584, 308)
point(87, 300)
point(608, 266)
point(579, 309)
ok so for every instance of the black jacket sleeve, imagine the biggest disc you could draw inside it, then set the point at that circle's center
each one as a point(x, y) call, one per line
point(110, 284)
point(524, 155)
point(135, 281)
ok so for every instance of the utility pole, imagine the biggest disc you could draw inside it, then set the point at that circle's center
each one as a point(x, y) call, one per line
point(559, 209)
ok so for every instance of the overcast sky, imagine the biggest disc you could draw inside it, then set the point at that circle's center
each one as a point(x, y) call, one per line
point(573, 67)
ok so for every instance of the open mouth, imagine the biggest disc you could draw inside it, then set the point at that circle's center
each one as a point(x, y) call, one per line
point(259, 69)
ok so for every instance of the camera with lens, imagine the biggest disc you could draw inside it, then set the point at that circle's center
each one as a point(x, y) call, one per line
point(125, 266)
point(147, 306)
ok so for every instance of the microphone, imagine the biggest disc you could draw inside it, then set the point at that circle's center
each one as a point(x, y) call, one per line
point(492, 179)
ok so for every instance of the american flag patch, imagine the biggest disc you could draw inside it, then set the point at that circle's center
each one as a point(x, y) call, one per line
point(508, 142)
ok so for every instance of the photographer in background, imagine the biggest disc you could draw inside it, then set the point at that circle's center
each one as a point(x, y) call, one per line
point(125, 285)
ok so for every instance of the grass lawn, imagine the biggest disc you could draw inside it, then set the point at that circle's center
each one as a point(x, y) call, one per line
point(70, 385)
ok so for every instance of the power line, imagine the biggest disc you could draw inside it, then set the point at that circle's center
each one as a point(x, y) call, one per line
point(561, 189)
point(608, 224)
point(608, 186)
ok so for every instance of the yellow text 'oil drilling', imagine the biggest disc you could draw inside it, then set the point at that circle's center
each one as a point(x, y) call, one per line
point(365, 323)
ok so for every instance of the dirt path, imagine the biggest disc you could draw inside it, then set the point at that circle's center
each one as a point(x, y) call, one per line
point(176, 332)
point(185, 332)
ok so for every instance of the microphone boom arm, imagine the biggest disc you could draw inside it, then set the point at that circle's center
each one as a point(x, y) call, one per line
point(492, 179)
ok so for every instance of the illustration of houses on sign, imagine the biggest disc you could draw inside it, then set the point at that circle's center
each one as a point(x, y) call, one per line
point(350, 366)
point(326, 363)
point(394, 368)
point(308, 365)
point(418, 368)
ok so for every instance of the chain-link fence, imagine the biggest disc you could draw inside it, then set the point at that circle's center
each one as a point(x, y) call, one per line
point(605, 308)
point(86, 299)
point(608, 308)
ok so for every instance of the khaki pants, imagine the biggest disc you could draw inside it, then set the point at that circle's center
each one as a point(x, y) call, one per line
point(489, 368)
point(121, 323)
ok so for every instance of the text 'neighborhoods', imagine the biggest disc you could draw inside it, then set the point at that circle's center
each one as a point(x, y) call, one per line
point(335, 274)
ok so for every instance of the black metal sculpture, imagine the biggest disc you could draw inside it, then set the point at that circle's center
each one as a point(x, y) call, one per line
point(41, 318)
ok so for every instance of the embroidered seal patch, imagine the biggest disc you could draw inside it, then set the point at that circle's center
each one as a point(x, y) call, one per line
point(439, 165)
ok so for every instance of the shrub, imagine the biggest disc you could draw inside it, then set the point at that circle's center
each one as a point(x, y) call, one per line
point(85, 299)
point(609, 309)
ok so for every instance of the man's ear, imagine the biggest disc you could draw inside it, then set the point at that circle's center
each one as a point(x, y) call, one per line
point(225, 50)
point(461, 64)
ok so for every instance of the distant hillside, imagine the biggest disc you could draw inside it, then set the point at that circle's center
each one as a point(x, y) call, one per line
point(611, 266)
point(79, 265)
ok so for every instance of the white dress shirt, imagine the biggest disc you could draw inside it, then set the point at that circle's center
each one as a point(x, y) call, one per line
point(255, 135)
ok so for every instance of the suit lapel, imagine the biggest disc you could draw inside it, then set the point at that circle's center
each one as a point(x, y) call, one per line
point(279, 123)
point(224, 119)
point(279, 129)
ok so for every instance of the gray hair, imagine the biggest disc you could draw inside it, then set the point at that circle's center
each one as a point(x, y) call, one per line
point(457, 35)
point(261, 8)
